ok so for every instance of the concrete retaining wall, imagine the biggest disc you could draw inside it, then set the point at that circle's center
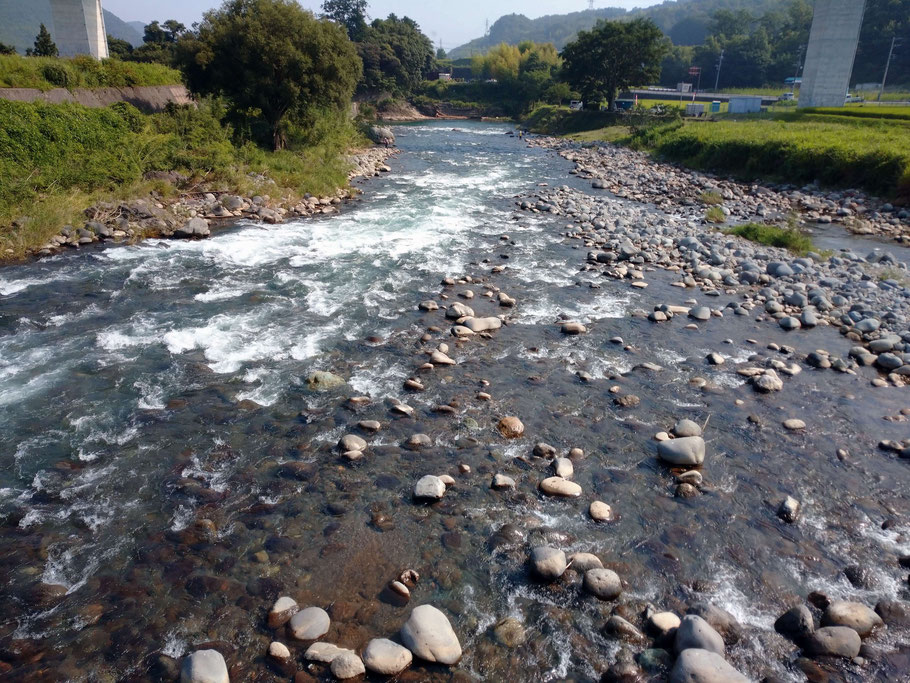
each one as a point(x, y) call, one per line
point(147, 99)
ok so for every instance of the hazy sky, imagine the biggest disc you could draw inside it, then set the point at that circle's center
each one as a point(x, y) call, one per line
point(452, 21)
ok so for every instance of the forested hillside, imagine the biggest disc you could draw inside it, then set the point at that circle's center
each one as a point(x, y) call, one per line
point(761, 39)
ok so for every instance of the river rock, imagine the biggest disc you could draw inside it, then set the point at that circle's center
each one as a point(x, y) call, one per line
point(439, 358)
point(600, 511)
point(501, 481)
point(719, 619)
point(789, 509)
point(557, 486)
point(351, 442)
point(279, 651)
point(685, 428)
point(510, 427)
point(834, 641)
point(796, 623)
point(700, 313)
point(663, 622)
point(854, 615)
point(623, 629)
point(768, 382)
point(547, 564)
point(572, 328)
point(703, 666)
point(382, 656)
point(430, 487)
point(482, 324)
point(602, 583)
point(688, 450)
point(582, 562)
point(310, 623)
point(324, 652)
point(695, 632)
point(195, 227)
point(459, 310)
point(347, 665)
point(282, 611)
point(204, 666)
point(510, 632)
point(324, 381)
point(429, 635)
point(563, 467)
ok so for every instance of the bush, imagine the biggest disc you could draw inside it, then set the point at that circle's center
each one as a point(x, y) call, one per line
point(715, 215)
point(46, 73)
point(774, 236)
point(711, 198)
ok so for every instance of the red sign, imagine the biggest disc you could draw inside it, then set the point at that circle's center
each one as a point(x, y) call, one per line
point(694, 70)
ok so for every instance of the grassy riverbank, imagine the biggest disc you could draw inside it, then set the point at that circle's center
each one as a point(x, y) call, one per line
point(867, 149)
point(45, 73)
point(58, 159)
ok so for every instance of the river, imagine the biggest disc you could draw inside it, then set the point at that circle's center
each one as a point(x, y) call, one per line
point(166, 472)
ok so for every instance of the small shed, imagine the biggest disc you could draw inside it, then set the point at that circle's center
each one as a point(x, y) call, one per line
point(695, 109)
point(742, 104)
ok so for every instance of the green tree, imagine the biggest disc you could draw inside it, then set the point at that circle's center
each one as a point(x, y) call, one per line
point(396, 56)
point(7, 49)
point(120, 49)
point(352, 14)
point(155, 34)
point(44, 45)
point(441, 54)
point(272, 60)
point(612, 56)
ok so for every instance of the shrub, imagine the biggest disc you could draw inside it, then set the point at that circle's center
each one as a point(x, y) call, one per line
point(711, 198)
point(715, 215)
point(774, 236)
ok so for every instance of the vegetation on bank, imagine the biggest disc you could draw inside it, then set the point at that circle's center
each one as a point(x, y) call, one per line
point(46, 73)
point(58, 159)
point(836, 148)
point(789, 238)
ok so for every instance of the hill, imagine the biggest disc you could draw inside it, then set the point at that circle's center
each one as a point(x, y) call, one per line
point(685, 21)
point(20, 19)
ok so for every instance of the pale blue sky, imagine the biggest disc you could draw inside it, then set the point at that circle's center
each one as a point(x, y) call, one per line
point(453, 21)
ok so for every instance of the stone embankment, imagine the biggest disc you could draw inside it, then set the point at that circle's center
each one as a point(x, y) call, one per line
point(149, 99)
point(194, 215)
point(634, 175)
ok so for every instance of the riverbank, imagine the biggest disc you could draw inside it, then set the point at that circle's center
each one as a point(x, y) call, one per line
point(173, 213)
point(636, 175)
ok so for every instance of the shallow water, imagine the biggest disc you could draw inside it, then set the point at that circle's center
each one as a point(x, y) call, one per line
point(157, 435)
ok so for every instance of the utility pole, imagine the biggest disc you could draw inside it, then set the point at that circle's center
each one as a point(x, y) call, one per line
point(887, 66)
point(590, 4)
point(720, 63)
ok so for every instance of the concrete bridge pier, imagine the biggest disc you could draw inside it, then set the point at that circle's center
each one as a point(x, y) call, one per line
point(832, 48)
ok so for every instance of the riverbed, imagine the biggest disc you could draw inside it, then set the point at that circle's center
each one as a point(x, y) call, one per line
point(167, 472)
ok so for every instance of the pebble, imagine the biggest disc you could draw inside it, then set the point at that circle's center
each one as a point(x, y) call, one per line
point(511, 427)
point(347, 665)
point(794, 424)
point(789, 509)
point(573, 328)
point(663, 622)
point(563, 467)
point(352, 442)
point(282, 611)
point(279, 651)
point(429, 487)
point(324, 653)
point(582, 562)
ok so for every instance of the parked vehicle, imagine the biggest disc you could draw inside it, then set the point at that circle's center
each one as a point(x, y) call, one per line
point(787, 97)
point(576, 105)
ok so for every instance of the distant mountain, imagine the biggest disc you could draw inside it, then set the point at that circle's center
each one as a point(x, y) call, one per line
point(21, 19)
point(139, 26)
point(684, 21)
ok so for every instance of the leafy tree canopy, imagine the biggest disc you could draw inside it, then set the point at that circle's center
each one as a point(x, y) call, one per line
point(352, 14)
point(396, 56)
point(612, 56)
point(271, 60)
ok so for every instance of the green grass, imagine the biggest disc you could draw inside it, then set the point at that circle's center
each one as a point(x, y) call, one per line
point(774, 236)
point(711, 198)
point(46, 73)
point(799, 147)
point(715, 214)
point(58, 159)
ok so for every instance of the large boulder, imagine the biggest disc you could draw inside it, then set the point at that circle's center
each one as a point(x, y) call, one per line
point(194, 227)
point(429, 635)
point(381, 135)
point(324, 381)
point(688, 450)
point(204, 666)
point(703, 666)
point(795, 624)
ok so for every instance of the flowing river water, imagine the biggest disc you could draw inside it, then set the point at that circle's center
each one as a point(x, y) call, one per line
point(166, 472)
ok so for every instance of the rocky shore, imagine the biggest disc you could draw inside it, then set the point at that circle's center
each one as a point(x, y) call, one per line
point(194, 215)
point(634, 175)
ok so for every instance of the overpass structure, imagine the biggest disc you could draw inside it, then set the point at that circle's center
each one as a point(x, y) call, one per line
point(832, 48)
point(79, 28)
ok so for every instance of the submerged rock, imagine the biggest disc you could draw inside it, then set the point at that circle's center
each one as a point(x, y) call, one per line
point(324, 381)
point(688, 450)
point(430, 487)
point(347, 665)
point(510, 427)
point(547, 563)
point(796, 623)
point(602, 583)
point(310, 623)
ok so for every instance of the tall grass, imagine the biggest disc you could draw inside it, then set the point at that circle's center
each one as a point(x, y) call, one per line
point(788, 238)
point(58, 159)
point(46, 73)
